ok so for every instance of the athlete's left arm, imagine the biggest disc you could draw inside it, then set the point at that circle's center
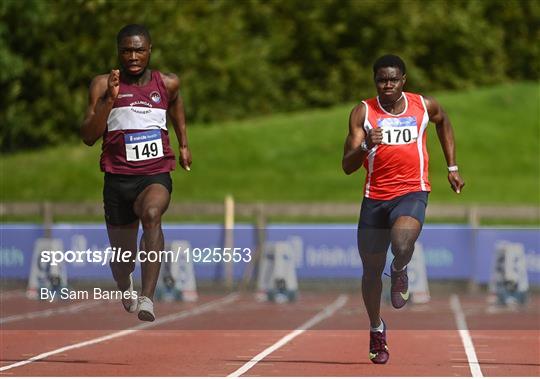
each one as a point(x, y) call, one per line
point(177, 116)
point(445, 132)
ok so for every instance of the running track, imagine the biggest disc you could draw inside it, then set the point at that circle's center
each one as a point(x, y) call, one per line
point(232, 335)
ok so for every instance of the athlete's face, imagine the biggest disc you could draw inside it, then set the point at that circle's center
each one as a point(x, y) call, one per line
point(134, 54)
point(389, 82)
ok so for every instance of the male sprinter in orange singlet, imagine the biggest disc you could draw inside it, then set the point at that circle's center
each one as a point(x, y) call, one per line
point(387, 134)
point(129, 109)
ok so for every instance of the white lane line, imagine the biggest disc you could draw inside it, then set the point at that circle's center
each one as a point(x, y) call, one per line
point(466, 339)
point(73, 308)
point(210, 306)
point(12, 294)
point(324, 314)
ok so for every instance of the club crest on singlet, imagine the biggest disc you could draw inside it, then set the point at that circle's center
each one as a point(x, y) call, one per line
point(398, 130)
point(155, 96)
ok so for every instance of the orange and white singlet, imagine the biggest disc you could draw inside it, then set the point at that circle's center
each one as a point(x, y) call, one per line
point(399, 165)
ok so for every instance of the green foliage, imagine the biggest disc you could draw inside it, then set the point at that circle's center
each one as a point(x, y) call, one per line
point(297, 157)
point(251, 57)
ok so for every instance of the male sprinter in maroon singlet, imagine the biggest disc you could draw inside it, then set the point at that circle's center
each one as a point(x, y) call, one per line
point(387, 134)
point(129, 109)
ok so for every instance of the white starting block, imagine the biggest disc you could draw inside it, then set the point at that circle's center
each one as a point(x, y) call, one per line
point(177, 279)
point(418, 283)
point(509, 280)
point(44, 274)
point(277, 279)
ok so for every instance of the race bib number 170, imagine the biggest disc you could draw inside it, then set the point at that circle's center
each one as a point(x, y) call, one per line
point(144, 145)
point(398, 131)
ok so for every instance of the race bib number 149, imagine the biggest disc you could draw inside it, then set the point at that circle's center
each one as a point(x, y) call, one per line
point(398, 131)
point(144, 145)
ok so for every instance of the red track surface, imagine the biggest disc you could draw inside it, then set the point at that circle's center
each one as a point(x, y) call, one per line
point(218, 340)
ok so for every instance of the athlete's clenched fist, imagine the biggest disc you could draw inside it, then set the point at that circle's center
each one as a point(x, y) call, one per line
point(113, 84)
point(374, 137)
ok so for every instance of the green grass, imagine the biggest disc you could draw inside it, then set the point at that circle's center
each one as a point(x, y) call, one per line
point(297, 157)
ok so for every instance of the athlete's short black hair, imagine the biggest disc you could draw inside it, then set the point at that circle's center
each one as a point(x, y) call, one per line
point(133, 30)
point(389, 60)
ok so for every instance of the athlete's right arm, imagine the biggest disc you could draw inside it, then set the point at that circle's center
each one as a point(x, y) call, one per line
point(353, 155)
point(103, 92)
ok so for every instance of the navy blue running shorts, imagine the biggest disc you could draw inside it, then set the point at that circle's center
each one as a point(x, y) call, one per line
point(378, 216)
point(121, 191)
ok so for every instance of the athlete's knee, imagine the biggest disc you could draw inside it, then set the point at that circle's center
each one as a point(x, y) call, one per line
point(151, 217)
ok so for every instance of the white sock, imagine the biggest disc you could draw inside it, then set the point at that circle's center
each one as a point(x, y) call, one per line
point(379, 328)
point(394, 267)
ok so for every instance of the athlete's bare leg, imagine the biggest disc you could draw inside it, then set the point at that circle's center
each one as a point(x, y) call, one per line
point(404, 234)
point(373, 266)
point(123, 237)
point(150, 206)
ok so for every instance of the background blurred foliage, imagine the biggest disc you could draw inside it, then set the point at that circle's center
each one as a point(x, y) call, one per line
point(251, 57)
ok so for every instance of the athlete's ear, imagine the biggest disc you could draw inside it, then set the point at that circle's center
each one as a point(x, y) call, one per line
point(150, 48)
point(404, 78)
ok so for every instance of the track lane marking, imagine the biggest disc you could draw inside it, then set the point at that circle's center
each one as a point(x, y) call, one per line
point(328, 311)
point(73, 308)
point(12, 294)
point(211, 305)
point(466, 339)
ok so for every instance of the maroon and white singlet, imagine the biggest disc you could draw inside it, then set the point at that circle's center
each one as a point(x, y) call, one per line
point(136, 141)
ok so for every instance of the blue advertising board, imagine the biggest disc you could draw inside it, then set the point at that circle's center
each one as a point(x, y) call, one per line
point(320, 250)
